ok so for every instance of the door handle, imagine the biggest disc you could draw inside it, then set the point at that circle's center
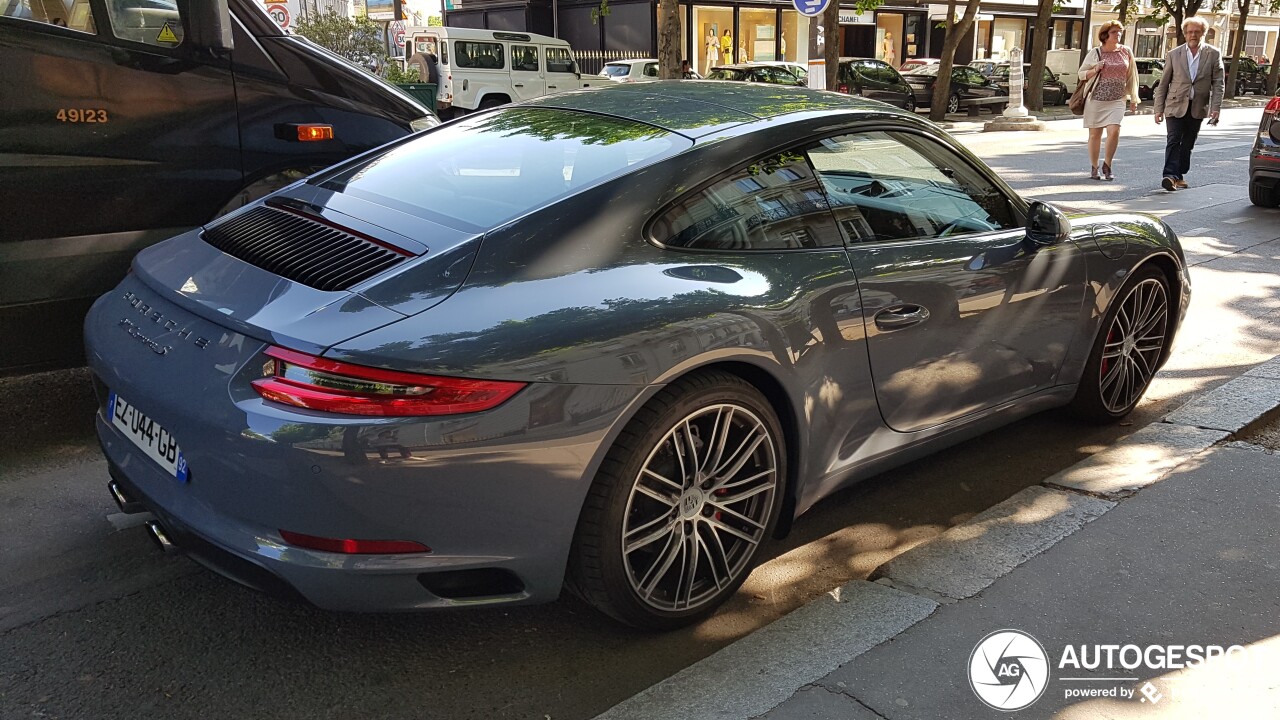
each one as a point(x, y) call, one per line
point(901, 316)
point(518, 85)
point(551, 87)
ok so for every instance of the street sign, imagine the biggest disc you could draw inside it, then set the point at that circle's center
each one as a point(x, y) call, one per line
point(280, 13)
point(398, 38)
point(812, 8)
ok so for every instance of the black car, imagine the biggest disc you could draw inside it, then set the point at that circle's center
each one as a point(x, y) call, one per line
point(1055, 91)
point(966, 83)
point(750, 72)
point(1264, 161)
point(1250, 77)
point(131, 123)
point(874, 79)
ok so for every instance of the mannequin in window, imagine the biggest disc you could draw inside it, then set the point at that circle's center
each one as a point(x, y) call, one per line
point(726, 46)
point(713, 48)
point(890, 56)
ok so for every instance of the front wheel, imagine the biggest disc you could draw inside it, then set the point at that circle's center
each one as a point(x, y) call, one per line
point(909, 104)
point(674, 519)
point(1128, 350)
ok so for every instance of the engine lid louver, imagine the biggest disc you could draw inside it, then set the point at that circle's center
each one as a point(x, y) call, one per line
point(301, 249)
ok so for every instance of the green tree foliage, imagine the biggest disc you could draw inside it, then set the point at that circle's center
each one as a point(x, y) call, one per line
point(358, 40)
point(1176, 10)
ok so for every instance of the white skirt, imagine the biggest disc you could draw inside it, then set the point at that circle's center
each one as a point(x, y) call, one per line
point(1101, 113)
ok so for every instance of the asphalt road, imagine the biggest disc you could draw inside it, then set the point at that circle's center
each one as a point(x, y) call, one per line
point(95, 623)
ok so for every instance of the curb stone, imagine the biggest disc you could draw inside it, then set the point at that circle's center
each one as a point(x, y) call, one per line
point(767, 668)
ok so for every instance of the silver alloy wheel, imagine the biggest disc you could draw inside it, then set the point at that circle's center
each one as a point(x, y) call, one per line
point(953, 104)
point(1135, 341)
point(699, 507)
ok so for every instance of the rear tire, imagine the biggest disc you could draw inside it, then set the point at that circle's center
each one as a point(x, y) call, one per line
point(1128, 350)
point(909, 104)
point(688, 492)
point(953, 103)
point(1264, 196)
point(492, 102)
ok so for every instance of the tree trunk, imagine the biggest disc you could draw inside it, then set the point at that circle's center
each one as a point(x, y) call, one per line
point(669, 39)
point(1178, 16)
point(831, 49)
point(955, 31)
point(1274, 75)
point(1237, 47)
point(1033, 88)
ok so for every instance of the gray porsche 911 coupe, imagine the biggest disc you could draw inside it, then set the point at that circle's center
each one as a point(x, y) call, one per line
point(609, 340)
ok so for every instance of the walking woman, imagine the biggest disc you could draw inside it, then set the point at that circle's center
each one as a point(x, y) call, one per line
point(1114, 75)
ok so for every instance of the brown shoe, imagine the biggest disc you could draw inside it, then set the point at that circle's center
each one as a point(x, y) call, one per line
point(1169, 183)
point(1180, 184)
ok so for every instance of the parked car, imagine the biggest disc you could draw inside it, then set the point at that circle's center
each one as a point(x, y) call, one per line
point(790, 292)
point(1250, 78)
point(485, 68)
point(629, 71)
point(800, 70)
point(986, 67)
point(1264, 160)
point(966, 83)
point(914, 63)
point(1054, 92)
point(874, 79)
point(1150, 70)
point(125, 125)
point(755, 73)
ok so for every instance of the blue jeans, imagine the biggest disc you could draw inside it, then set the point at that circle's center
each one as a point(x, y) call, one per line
point(1182, 133)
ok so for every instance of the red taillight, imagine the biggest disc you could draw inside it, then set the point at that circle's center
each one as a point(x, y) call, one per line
point(353, 547)
point(302, 380)
point(1274, 105)
point(843, 88)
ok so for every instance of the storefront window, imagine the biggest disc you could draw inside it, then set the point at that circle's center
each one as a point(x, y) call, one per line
point(795, 37)
point(889, 38)
point(1007, 34)
point(984, 40)
point(1149, 40)
point(712, 24)
point(913, 36)
point(757, 35)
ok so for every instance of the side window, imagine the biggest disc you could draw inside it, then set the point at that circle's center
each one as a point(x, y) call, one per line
point(74, 15)
point(651, 70)
point(152, 22)
point(778, 76)
point(976, 78)
point(559, 60)
point(478, 55)
point(886, 186)
point(524, 57)
point(773, 204)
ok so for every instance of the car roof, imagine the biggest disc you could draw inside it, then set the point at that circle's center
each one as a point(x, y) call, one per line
point(632, 61)
point(458, 33)
point(696, 108)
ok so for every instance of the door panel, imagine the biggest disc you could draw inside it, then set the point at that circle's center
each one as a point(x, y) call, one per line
point(527, 80)
point(961, 313)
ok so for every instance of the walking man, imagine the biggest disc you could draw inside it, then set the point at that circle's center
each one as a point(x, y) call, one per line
point(1190, 90)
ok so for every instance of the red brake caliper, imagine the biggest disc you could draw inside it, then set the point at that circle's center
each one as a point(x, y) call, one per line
point(1106, 363)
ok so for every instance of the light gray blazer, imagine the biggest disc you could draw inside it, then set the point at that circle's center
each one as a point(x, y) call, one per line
point(1173, 94)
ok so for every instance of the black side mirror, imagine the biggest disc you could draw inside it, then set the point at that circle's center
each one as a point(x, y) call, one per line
point(208, 24)
point(1046, 224)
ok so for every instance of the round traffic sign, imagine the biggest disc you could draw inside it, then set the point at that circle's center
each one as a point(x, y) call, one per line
point(398, 38)
point(811, 8)
point(280, 13)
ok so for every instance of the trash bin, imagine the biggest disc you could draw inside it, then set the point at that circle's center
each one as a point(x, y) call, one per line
point(424, 93)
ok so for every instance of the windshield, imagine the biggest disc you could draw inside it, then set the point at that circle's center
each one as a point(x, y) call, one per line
point(477, 173)
point(618, 70)
point(931, 70)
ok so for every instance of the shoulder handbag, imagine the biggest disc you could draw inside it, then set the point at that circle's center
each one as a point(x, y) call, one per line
point(1082, 93)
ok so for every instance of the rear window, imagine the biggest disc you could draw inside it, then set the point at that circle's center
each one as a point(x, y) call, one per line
point(931, 70)
point(725, 74)
point(480, 172)
point(618, 70)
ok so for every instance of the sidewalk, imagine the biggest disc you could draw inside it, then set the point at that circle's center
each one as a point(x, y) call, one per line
point(1182, 549)
point(961, 122)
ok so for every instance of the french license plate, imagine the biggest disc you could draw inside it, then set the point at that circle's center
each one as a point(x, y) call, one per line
point(152, 438)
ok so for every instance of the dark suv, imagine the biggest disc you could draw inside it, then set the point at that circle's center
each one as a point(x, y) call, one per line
point(874, 79)
point(1251, 77)
point(1054, 93)
point(1264, 161)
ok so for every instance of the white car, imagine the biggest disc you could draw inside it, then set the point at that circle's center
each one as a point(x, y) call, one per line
point(636, 70)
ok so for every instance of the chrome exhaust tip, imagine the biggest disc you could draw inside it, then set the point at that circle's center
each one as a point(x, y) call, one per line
point(123, 502)
point(161, 538)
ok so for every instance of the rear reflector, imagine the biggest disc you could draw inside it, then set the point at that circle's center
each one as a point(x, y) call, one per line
point(353, 547)
point(302, 380)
